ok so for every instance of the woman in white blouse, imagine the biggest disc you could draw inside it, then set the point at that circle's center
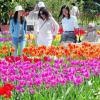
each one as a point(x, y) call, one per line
point(46, 29)
point(69, 23)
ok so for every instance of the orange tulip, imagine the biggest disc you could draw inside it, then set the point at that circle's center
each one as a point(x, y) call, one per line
point(12, 49)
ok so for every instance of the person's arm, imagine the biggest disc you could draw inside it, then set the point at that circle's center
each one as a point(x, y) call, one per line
point(25, 26)
point(75, 22)
point(11, 27)
point(35, 22)
point(78, 13)
point(36, 26)
point(72, 11)
point(55, 26)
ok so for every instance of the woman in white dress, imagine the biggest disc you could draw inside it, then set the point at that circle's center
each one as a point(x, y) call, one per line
point(46, 29)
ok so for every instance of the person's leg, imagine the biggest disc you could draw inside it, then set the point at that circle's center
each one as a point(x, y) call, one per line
point(22, 45)
point(63, 39)
point(15, 44)
point(72, 37)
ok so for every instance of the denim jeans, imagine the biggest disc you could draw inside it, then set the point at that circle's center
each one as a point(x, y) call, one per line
point(68, 36)
point(18, 42)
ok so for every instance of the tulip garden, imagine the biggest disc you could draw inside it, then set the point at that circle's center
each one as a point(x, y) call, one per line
point(50, 73)
point(59, 72)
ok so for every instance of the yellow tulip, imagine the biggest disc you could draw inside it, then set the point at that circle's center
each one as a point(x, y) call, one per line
point(98, 32)
point(27, 36)
point(58, 37)
point(32, 36)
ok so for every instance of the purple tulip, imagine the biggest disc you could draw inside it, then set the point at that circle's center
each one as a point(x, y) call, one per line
point(78, 80)
point(27, 74)
point(37, 81)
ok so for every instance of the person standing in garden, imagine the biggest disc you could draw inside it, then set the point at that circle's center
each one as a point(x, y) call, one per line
point(69, 23)
point(75, 10)
point(47, 28)
point(33, 16)
point(91, 35)
point(18, 29)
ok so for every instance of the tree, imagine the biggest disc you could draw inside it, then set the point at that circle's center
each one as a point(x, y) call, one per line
point(5, 7)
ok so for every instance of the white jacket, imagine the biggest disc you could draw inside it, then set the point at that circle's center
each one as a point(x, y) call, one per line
point(46, 29)
point(75, 11)
point(32, 18)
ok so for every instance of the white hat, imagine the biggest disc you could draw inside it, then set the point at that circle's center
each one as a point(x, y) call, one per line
point(18, 8)
point(41, 4)
point(91, 25)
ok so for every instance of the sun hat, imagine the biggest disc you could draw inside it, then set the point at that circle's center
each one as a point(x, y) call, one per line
point(18, 8)
point(91, 25)
point(41, 4)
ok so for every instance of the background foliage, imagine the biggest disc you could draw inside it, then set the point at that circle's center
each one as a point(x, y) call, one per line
point(88, 8)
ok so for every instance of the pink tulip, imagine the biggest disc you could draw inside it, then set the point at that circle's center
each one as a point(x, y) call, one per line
point(78, 80)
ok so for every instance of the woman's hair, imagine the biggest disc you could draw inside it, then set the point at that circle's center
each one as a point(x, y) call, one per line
point(16, 18)
point(44, 12)
point(61, 11)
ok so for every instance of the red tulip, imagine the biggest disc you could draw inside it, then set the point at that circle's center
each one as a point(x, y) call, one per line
point(36, 60)
point(60, 30)
point(79, 31)
point(5, 90)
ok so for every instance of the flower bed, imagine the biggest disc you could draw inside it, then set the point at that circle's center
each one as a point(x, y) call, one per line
point(51, 73)
point(85, 50)
point(36, 75)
